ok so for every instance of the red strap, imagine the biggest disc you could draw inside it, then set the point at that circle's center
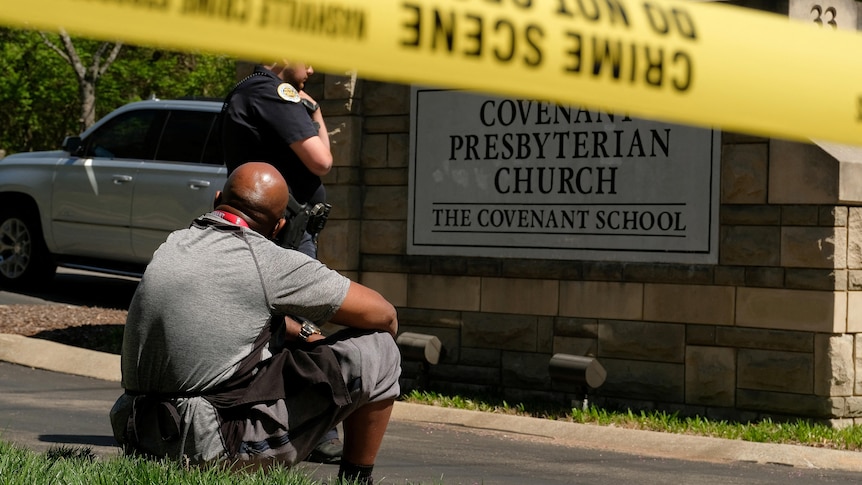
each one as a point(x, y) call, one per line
point(232, 218)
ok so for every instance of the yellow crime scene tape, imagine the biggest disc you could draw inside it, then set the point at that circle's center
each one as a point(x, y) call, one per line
point(701, 64)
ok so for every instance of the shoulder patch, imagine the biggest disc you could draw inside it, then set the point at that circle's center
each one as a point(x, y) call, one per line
point(288, 93)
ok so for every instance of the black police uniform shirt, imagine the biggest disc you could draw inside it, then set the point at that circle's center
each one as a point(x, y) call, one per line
point(260, 125)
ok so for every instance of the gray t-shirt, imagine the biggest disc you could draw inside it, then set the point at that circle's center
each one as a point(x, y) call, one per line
point(205, 298)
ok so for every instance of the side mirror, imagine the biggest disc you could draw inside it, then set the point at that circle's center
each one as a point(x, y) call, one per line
point(72, 144)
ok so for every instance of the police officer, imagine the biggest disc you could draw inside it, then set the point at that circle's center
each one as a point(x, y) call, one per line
point(268, 116)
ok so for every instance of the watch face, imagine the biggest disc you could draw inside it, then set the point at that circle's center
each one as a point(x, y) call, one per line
point(308, 329)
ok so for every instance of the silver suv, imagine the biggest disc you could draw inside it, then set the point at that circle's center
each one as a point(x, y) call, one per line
point(109, 198)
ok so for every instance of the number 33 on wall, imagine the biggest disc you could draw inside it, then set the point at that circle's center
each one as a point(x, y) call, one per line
point(837, 14)
point(825, 15)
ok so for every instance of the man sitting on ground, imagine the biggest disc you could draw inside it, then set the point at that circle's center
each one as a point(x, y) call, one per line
point(213, 369)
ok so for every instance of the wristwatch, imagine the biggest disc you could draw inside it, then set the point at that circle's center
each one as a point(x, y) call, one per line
point(307, 330)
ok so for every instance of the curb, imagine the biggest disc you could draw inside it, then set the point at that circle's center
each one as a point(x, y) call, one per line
point(636, 442)
point(48, 355)
point(44, 354)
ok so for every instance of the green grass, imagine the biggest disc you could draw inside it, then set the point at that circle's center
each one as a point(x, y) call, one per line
point(78, 466)
point(799, 432)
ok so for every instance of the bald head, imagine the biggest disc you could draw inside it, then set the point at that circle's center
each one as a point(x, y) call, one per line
point(258, 193)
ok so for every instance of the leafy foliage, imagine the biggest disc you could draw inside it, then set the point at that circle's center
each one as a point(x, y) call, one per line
point(36, 94)
point(39, 98)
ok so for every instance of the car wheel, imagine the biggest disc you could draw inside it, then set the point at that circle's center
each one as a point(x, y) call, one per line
point(24, 258)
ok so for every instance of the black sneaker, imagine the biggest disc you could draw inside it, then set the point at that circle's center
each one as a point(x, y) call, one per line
point(327, 452)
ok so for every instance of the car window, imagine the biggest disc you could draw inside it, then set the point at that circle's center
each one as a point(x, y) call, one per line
point(185, 136)
point(213, 153)
point(129, 135)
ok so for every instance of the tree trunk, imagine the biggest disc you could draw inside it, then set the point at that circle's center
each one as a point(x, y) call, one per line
point(88, 104)
point(87, 76)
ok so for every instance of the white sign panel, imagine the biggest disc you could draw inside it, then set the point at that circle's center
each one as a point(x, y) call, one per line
point(517, 178)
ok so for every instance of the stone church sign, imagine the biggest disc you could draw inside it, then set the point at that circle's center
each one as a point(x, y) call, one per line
point(504, 177)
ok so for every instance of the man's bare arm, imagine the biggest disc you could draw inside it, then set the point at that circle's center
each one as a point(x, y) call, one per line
point(314, 154)
point(366, 309)
point(315, 151)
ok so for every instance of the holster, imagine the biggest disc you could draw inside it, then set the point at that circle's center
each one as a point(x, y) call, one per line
point(301, 219)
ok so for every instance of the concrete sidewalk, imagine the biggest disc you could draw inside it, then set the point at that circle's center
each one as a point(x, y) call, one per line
point(43, 354)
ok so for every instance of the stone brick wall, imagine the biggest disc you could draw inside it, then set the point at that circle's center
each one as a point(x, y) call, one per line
point(770, 330)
